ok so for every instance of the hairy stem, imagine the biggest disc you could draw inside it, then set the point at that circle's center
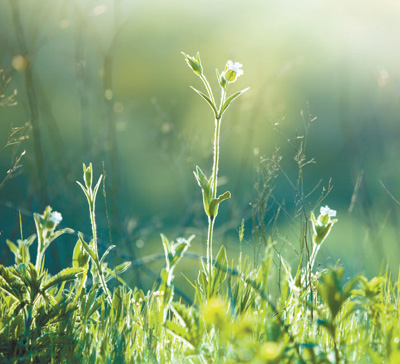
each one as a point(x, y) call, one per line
point(216, 155)
point(99, 268)
point(209, 249)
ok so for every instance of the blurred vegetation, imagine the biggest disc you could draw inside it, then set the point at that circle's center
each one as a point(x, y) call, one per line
point(104, 82)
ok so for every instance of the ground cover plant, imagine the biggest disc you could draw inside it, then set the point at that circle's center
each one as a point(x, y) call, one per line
point(235, 313)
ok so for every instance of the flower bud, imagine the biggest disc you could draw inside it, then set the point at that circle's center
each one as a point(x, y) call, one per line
point(87, 175)
point(222, 81)
point(194, 63)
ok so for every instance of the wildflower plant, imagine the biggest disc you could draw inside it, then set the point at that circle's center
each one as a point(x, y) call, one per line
point(209, 185)
point(322, 226)
point(99, 270)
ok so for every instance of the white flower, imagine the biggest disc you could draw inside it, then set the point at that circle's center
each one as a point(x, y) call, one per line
point(236, 67)
point(55, 217)
point(327, 211)
point(232, 71)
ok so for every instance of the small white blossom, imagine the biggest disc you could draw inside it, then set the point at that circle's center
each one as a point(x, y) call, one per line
point(55, 217)
point(232, 72)
point(236, 67)
point(327, 211)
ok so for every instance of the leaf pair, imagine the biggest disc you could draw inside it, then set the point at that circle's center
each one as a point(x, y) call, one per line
point(209, 201)
point(224, 107)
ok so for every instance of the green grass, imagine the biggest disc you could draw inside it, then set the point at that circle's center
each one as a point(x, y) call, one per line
point(67, 317)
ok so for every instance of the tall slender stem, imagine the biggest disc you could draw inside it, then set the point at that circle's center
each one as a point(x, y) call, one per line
point(97, 262)
point(209, 250)
point(216, 155)
point(94, 228)
point(214, 194)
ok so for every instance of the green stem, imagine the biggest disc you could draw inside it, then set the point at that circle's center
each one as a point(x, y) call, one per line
point(314, 253)
point(216, 156)
point(209, 250)
point(103, 283)
point(94, 229)
point(211, 219)
point(99, 269)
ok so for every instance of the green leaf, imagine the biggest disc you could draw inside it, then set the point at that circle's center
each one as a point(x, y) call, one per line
point(106, 253)
point(95, 307)
point(8, 289)
point(96, 188)
point(205, 97)
point(213, 209)
point(12, 247)
point(121, 268)
point(166, 246)
point(57, 233)
point(230, 99)
point(201, 178)
point(179, 332)
point(85, 191)
point(79, 257)
point(87, 248)
point(88, 299)
point(67, 274)
point(205, 185)
point(202, 281)
point(220, 271)
point(331, 291)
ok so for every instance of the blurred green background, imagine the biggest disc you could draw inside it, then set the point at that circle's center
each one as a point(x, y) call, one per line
point(104, 82)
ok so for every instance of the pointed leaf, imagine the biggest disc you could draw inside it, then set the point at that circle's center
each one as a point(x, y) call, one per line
point(201, 178)
point(67, 274)
point(219, 274)
point(87, 248)
point(205, 97)
point(213, 209)
point(165, 242)
point(205, 185)
point(85, 191)
point(106, 253)
point(12, 247)
point(96, 188)
point(121, 268)
point(79, 257)
point(231, 98)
